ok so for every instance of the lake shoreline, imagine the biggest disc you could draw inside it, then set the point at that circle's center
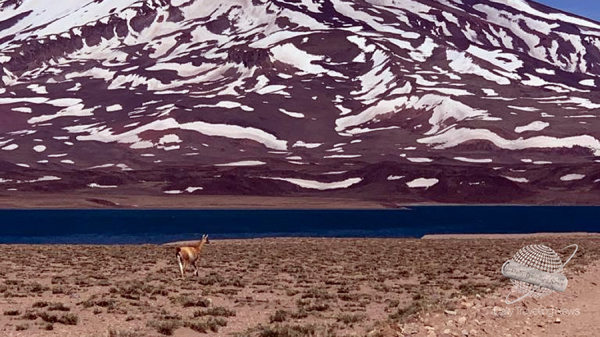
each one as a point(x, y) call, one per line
point(428, 237)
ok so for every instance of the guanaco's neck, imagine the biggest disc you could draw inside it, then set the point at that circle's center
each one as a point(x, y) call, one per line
point(200, 246)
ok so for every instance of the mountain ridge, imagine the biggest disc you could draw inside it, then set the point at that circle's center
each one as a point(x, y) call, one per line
point(446, 101)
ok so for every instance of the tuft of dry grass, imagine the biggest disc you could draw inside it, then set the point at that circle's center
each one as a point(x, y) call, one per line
point(166, 327)
point(40, 304)
point(30, 315)
point(350, 319)
point(47, 317)
point(216, 311)
point(287, 330)
point(59, 306)
point(68, 319)
point(279, 316)
point(22, 326)
point(211, 324)
point(191, 300)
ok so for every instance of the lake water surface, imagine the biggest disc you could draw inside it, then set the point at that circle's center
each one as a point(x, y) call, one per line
point(160, 226)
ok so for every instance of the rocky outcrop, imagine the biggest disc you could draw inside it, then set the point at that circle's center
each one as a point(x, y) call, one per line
point(249, 57)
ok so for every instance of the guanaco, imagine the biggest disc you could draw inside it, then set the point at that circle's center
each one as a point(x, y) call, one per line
point(189, 255)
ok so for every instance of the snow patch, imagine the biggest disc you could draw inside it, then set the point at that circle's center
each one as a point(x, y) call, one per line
point(517, 179)
point(171, 138)
point(545, 71)
point(94, 185)
point(39, 148)
point(45, 178)
point(454, 137)
point(292, 114)
point(10, 147)
point(306, 145)
point(318, 185)
point(572, 177)
point(523, 108)
point(422, 182)
point(305, 62)
point(106, 135)
point(193, 189)
point(114, 107)
point(26, 110)
point(473, 160)
point(533, 126)
point(464, 64)
point(419, 160)
point(343, 156)
point(243, 163)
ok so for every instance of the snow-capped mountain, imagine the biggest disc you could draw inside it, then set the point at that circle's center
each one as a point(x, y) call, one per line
point(390, 100)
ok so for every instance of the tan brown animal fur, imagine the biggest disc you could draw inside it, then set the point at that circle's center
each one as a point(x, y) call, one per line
point(190, 255)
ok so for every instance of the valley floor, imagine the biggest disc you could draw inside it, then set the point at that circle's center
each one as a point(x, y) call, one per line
point(292, 287)
point(120, 200)
point(153, 200)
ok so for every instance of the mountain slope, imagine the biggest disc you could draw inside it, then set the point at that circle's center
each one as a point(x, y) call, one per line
point(453, 101)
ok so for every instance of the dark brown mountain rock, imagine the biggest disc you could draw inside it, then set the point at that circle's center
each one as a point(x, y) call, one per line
point(420, 101)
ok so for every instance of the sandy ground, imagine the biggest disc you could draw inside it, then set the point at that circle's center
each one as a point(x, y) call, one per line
point(292, 287)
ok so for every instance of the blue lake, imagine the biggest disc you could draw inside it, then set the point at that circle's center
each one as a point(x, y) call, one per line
point(160, 226)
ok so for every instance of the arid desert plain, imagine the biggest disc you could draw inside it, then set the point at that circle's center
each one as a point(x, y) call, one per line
point(444, 286)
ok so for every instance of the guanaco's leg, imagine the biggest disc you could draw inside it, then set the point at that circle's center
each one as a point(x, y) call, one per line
point(181, 266)
point(195, 268)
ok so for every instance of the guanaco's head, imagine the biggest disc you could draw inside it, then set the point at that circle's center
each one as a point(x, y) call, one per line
point(204, 239)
